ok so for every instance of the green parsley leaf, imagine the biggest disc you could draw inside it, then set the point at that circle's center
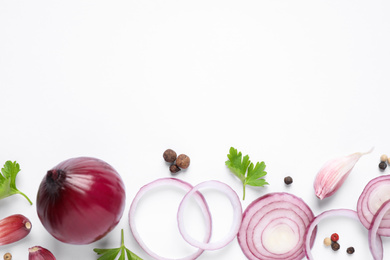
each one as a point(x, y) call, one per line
point(245, 170)
point(111, 254)
point(7, 180)
point(255, 174)
point(236, 164)
point(131, 255)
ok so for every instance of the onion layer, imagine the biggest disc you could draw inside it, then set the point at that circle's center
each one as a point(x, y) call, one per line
point(375, 245)
point(237, 209)
point(331, 213)
point(80, 200)
point(273, 227)
point(168, 182)
point(376, 192)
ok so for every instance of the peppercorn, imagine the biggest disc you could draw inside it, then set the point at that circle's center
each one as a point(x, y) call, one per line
point(7, 256)
point(350, 250)
point(334, 237)
point(327, 241)
point(382, 166)
point(288, 180)
point(384, 158)
point(174, 169)
point(335, 246)
point(169, 155)
point(183, 161)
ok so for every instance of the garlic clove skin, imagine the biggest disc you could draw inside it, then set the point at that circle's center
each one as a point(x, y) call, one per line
point(14, 228)
point(39, 253)
point(333, 174)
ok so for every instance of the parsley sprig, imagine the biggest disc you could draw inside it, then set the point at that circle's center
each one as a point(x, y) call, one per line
point(245, 170)
point(110, 254)
point(7, 180)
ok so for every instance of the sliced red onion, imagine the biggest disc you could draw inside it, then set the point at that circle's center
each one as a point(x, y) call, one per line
point(332, 213)
point(169, 182)
point(376, 192)
point(237, 215)
point(273, 227)
point(375, 246)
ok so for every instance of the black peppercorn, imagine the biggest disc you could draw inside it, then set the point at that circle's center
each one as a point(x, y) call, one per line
point(174, 169)
point(288, 180)
point(169, 155)
point(350, 250)
point(382, 165)
point(335, 246)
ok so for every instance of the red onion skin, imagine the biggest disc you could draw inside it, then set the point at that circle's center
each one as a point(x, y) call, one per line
point(80, 200)
point(40, 253)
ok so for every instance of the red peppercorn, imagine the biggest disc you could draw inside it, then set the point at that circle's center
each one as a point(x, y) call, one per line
point(334, 237)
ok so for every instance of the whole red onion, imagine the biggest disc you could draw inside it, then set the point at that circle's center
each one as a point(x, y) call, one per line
point(80, 200)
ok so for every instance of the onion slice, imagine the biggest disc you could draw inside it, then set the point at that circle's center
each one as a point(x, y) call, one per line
point(331, 213)
point(376, 252)
point(376, 192)
point(237, 215)
point(179, 184)
point(273, 227)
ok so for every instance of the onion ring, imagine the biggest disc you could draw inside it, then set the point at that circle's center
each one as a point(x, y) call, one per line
point(169, 182)
point(376, 192)
point(237, 209)
point(273, 227)
point(373, 231)
point(330, 213)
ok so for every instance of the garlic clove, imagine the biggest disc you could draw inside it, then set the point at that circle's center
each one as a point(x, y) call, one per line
point(13, 228)
point(333, 174)
point(40, 253)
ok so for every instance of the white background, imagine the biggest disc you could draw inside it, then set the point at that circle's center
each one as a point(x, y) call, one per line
point(291, 83)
